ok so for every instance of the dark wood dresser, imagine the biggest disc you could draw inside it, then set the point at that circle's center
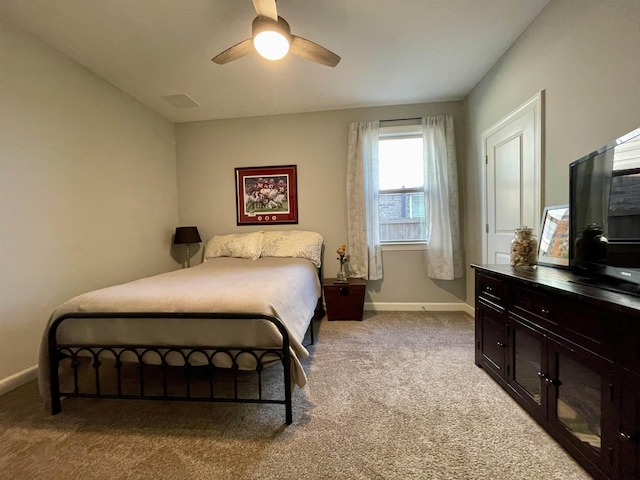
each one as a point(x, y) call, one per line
point(569, 354)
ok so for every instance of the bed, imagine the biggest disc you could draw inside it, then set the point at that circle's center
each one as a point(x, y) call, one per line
point(206, 333)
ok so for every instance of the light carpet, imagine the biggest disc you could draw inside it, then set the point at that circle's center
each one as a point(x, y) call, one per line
point(396, 396)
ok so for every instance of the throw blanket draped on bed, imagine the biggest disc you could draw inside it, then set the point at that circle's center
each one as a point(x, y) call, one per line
point(287, 288)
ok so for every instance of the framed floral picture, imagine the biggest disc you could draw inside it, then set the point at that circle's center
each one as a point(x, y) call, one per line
point(266, 195)
point(553, 247)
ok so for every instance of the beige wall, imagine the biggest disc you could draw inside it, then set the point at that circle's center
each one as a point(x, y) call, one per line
point(208, 152)
point(88, 193)
point(584, 54)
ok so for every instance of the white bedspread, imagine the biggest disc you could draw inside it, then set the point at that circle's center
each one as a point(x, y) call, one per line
point(287, 288)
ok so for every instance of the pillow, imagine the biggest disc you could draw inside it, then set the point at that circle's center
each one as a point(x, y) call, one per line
point(240, 245)
point(293, 243)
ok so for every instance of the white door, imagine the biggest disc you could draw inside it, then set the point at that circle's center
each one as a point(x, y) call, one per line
point(512, 178)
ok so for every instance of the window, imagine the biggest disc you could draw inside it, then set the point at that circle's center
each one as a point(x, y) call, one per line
point(414, 186)
point(401, 204)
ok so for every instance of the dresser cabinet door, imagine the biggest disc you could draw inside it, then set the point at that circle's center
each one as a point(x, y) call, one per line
point(584, 398)
point(526, 366)
point(629, 433)
point(491, 340)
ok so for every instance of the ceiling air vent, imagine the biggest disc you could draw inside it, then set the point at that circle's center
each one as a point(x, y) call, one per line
point(180, 101)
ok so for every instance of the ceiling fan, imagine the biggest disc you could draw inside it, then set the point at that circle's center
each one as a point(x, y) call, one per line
point(271, 37)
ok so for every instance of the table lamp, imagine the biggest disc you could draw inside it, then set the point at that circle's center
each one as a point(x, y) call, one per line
point(187, 236)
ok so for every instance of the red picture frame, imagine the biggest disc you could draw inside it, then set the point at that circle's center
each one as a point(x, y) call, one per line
point(266, 195)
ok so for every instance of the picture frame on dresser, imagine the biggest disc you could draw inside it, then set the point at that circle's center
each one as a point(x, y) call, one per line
point(266, 195)
point(553, 244)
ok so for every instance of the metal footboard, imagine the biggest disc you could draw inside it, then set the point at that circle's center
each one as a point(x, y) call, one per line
point(105, 371)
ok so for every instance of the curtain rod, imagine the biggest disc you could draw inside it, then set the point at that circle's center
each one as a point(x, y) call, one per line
point(401, 119)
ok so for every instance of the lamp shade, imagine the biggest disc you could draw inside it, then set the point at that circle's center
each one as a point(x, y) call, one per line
point(186, 235)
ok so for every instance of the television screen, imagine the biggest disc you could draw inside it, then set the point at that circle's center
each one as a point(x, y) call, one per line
point(605, 210)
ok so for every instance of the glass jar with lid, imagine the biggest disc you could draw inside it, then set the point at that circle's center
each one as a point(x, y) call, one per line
point(524, 247)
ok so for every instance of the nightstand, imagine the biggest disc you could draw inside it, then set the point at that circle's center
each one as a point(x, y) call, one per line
point(345, 301)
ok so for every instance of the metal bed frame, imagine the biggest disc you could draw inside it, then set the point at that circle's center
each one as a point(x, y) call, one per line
point(72, 355)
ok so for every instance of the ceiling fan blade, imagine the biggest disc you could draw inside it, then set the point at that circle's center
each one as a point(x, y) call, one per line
point(312, 51)
point(266, 8)
point(233, 53)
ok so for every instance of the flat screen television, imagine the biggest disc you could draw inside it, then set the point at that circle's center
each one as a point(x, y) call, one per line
point(604, 213)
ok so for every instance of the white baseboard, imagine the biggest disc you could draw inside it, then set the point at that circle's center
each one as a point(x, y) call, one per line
point(18, 379)
point(418, 307)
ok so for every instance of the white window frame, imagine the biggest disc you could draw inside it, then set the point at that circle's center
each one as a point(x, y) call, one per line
point(400, 132)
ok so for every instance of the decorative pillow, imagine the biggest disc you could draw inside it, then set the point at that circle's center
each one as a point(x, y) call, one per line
point(293, 243)
point(241, 245)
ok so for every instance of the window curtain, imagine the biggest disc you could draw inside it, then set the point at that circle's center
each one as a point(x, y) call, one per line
point(444, 256)
point(363, 232)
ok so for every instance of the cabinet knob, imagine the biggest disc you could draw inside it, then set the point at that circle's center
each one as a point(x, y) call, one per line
point(488, 289)
point(544, 312)
point(548, 379)
point(625, 437)
point(502, 345)
point(552, 381)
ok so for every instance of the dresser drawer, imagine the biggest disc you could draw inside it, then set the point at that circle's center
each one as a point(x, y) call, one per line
point(491, 289)
point(589, 327)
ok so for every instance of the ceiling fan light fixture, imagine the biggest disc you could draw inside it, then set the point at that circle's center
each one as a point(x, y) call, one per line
point(271, 45)
point(271, 38)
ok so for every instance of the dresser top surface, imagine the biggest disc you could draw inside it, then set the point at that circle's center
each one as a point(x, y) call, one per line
point(567, 283)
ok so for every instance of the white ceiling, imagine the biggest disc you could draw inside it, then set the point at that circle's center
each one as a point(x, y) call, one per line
point(393, 51)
